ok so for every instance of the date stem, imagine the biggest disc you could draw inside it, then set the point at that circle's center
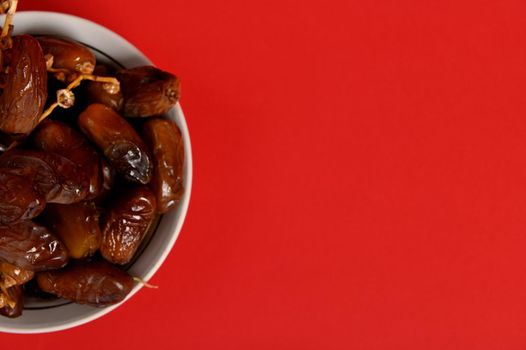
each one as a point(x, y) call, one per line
point(144, 283)
point(48, 111)
point(113, 82)
point(9, 18)
point(109, 80)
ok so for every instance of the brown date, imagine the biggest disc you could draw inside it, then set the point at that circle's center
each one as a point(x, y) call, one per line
point(148, 91)
point(108, 181)
point(95, 283)
point(56, 137)
point(68, 54)
point(126, 223)
point(18, 200)
point(119, 142)
point(98, 93)
point(56, 177)
point(77, 225)
point(31, 247)
point(11, 275)
point(166, 145)
point(12, 302)
point(24, 96)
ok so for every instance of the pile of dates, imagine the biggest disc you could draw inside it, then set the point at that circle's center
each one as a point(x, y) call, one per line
point(80, 188)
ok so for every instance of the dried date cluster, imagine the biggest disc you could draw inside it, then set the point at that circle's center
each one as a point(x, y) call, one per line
point(83, 174)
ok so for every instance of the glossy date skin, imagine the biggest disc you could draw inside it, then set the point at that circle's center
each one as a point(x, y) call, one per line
point(11, 275)
point(56, 137)
point(18, 200)
point(96, 92)
point(14, 294)
point(108, 181)
point(95, 283)
point(166, 146)
point(148, 91)
point(77, 225)
point(126, 223)
point(68, 54)
point(24, 96)
point(56, 177)
point(31, 247)
point(119, 142)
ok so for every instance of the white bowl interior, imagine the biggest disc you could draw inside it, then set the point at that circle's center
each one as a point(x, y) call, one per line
point(94, 35)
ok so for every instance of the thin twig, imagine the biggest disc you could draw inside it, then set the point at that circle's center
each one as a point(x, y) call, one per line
point(145, 284)
point(13, 145)
point(9, 18)
point(91, 77)
point(48, 111)
point(74, 84)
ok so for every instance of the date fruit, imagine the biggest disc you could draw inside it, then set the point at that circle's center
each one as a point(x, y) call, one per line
point(95, 283)
point(126, 223)
point(166, 146)
point(148, 91)
point(18, 200)
point(119, 142)
point(24, 95)
point(12, 302)
point(11, 275)
point(68, 54)
point(108, 181)
point(56, 137)
point(98, 93)
point(31, 247)
point(56, 177)
point(77, 225)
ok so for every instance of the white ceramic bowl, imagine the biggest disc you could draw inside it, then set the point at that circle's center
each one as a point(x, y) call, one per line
point(124, 53)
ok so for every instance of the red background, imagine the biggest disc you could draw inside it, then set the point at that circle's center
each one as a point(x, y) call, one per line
point(360, 176)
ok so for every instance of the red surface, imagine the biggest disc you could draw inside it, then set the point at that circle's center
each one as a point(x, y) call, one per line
point(360, 176)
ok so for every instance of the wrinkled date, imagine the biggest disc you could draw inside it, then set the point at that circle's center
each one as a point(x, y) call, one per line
point(56, 177)
point(148, 91)
point(12, 302)
point(166, 145)
point(11, 275)
point(68, 55)
point(56, 137)
point(126, 223)
point(77, 225)
point(24, 95)
point(31, 247)
point(96, 283)
point(119, 142)
point(18, 200)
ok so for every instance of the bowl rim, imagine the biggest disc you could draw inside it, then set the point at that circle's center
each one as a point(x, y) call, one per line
point(185, 201)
